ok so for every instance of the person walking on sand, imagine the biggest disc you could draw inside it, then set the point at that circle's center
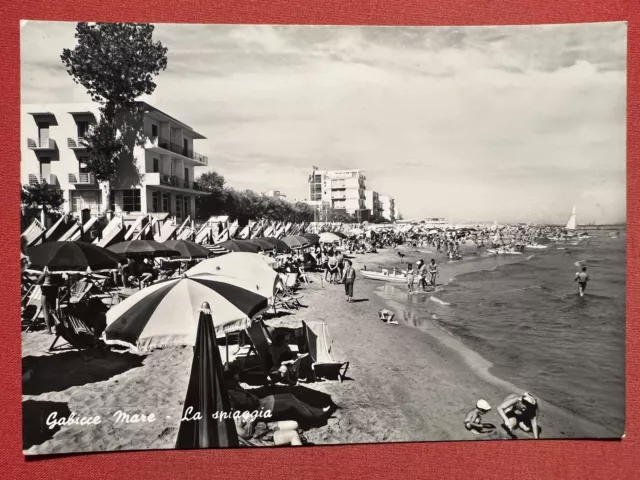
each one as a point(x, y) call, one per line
point(473, 420)
point(349, 278)
point(422, 275)
point(433, 272)
point(411, 275)
point(332, 265)
point(50, 286)
point(582, 278)
point(520, 412)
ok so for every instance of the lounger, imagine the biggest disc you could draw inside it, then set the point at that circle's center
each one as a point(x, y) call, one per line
point(322, 363)
point(79, 291)
point(74, 331)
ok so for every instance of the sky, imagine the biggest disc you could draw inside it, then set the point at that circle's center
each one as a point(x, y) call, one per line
point(509, 123)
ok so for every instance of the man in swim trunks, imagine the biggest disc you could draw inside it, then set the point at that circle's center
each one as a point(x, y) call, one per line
point(520, 412)
point(422, 275)
point(582, 278)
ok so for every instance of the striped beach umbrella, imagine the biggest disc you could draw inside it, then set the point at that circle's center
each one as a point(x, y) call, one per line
point(164, 314)
point(216, 250)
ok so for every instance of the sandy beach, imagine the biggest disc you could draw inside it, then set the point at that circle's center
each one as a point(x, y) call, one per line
point(404, 383)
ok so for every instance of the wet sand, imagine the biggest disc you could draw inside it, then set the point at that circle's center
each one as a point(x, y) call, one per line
point(404, 383)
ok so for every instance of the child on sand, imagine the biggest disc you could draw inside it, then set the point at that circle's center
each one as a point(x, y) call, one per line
point(410, 276)
point(473, 420)
point(387, 316)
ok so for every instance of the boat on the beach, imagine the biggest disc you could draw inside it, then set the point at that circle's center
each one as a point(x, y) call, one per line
point(501, 251)
point(536, 246)
point(384, 276)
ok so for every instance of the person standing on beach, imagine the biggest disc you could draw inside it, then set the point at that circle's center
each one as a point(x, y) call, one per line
point(433, 272)
point(411, 274)
point(332, 265)
point(50, 286)
point(349, 278)
point(582, 278)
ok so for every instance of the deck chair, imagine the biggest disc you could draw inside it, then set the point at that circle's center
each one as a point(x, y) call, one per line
point(322, 363)
point(73, 330)
point(78, 291)
point(33, 298)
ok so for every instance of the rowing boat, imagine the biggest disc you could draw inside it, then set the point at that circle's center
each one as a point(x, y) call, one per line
point(502, 252)
point(386, 277)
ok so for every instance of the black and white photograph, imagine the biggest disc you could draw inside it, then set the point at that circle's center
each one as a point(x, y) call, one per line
point(293, 235)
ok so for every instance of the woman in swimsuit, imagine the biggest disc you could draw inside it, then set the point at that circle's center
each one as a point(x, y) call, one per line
point(520, 412)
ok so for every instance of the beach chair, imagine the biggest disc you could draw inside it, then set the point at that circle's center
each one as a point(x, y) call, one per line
point(319, 348)
point(73, 330)
point(33, 298)
point(78, 291)
point(285, 298)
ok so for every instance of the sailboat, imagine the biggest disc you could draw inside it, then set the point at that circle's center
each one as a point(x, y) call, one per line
point(571, 223)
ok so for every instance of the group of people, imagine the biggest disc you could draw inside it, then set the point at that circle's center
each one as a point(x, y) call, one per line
point(516, 412)
point(426, 274)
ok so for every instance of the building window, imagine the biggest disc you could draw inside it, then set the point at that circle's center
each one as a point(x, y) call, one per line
point(155, 201)
point(165, 202)
point(154, 130)
point(156, 165)
point(131, 200)
point(83, 128)
point(179, 206)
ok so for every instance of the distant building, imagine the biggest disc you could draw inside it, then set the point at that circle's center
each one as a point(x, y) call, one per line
point(388, 207)
point(435, 221)
point(338, 190)
point(275, 194)
point(373, 205)
point(52, 151)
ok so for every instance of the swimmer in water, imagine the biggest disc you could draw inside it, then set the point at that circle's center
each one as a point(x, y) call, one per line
point(582, 278)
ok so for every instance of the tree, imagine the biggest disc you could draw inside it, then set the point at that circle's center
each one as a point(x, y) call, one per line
point(41, 195)
point(215, 202)
point(116, 63)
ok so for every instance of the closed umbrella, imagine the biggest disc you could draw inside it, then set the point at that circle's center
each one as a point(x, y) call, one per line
point(296, 241)
point(328, 237)
point(71, 257)
point(238, 246)
point(163, 314)
point(207, 394)
point(313, 238)
point(188, 249)
point(143, 248)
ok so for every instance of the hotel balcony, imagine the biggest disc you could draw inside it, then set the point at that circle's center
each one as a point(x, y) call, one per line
point(155, 178)
point(163, 144)
point(40, 144)
point(50, 179)
point(76, 143)
point(82, 179)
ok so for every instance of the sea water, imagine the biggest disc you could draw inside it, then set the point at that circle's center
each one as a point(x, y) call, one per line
point(524, 315)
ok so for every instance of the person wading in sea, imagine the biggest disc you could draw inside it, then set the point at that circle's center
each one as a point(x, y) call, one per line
point(433, 272)
point(582, 278)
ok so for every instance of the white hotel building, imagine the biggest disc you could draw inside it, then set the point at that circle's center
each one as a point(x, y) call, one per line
point(52, 151)
point(338, 190)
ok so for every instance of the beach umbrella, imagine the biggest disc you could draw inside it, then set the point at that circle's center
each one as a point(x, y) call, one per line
point(279, 245)
point(163, 314)
point(188, 249)
point(71, 257)
point(296, 241)
point(313, 238)
point(238, 246)
point(329, 237)
point(265, 244)
point(341, 235)
point(216, 250)
point(254, 270)
point(433, 231)
point(143, 248)
point(206, 394)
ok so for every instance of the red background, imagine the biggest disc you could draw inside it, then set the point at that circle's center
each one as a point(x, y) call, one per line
point(469, 460)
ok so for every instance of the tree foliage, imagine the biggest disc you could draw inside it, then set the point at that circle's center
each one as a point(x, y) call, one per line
point(245, 205)
point(41, 195)
point(115, 62)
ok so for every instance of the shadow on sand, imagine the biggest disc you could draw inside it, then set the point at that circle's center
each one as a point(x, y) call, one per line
point(55, 373)
point(34, 415)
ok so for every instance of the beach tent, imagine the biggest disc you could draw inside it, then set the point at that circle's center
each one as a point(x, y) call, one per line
point(164, 314)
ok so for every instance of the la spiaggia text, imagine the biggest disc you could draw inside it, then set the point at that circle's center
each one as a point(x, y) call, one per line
point(120, 416)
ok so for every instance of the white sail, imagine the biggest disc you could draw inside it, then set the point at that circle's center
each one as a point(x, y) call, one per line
point(571, 224)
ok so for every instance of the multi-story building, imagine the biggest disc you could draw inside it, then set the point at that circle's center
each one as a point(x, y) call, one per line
point(156, 174)
point(388, 205)
point(338, 190)
point(373, 205)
